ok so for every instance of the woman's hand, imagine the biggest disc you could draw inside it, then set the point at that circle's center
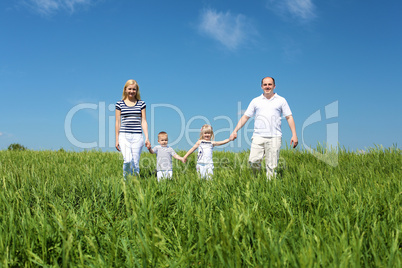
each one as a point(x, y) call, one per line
point(118, 146)
point(147, 144)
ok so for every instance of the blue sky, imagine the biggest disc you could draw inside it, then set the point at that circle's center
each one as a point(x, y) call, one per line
point(63, 64)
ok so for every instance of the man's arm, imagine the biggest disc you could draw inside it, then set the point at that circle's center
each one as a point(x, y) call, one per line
point(293, 141)
point(239, 125)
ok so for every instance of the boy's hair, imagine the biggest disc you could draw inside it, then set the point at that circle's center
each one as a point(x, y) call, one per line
point(162, 133)
point(205, 129)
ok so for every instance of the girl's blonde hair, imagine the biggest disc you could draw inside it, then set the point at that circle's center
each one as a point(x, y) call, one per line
point(128, 83)
point(205, 129)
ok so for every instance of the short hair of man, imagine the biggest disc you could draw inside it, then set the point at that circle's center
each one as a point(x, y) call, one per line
point(262, 80)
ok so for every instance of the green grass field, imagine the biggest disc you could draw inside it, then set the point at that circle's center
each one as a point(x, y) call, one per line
point(73, 209)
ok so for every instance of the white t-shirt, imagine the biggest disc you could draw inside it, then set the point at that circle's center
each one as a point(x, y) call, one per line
point(163, 157)
point(268, 114)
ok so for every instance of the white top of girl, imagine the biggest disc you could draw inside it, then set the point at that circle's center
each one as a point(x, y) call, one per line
point(205, 145)
point(205, 152)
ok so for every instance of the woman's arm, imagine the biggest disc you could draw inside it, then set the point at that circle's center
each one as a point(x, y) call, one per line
point(144, 125)
point(117, 128)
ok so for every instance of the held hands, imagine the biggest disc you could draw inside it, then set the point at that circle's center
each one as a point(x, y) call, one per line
point(233, 136)
point(147, 144)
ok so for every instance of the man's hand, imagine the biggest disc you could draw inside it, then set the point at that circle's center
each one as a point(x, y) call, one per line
point(233, 136)
point(294, 141)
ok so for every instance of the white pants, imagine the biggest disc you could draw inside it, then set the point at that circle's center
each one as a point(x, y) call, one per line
point(205, 170)
point(164, 174)
point(131, 146)
point(268, 146)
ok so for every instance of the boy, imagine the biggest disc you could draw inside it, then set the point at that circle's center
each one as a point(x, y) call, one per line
point(164, 155)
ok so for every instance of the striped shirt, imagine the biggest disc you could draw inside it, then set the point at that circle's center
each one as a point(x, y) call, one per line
point(130, 116)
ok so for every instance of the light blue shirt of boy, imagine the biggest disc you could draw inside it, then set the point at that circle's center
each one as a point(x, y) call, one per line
point(163, 157)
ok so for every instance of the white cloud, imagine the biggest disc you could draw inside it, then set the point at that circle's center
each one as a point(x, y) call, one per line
point(300, 9)
point(1, 133)
point(49, 7)
point(230, 30)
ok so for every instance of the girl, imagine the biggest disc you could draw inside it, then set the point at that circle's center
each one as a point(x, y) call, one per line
point(130, 123)
point(205, 145)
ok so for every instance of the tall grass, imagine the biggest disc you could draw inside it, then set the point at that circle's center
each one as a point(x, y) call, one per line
point(75, 209)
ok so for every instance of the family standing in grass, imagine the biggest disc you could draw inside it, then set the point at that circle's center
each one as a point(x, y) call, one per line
point(131, 127)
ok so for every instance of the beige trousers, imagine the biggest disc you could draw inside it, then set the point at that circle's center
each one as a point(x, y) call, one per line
point(268, 146)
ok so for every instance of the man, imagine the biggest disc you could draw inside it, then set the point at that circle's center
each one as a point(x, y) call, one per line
point(267, 137)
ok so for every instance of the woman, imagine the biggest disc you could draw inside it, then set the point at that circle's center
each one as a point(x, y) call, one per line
point(131, 122)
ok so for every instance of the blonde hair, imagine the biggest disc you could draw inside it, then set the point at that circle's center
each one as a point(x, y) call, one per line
point(205, 129)
point(128, 83)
